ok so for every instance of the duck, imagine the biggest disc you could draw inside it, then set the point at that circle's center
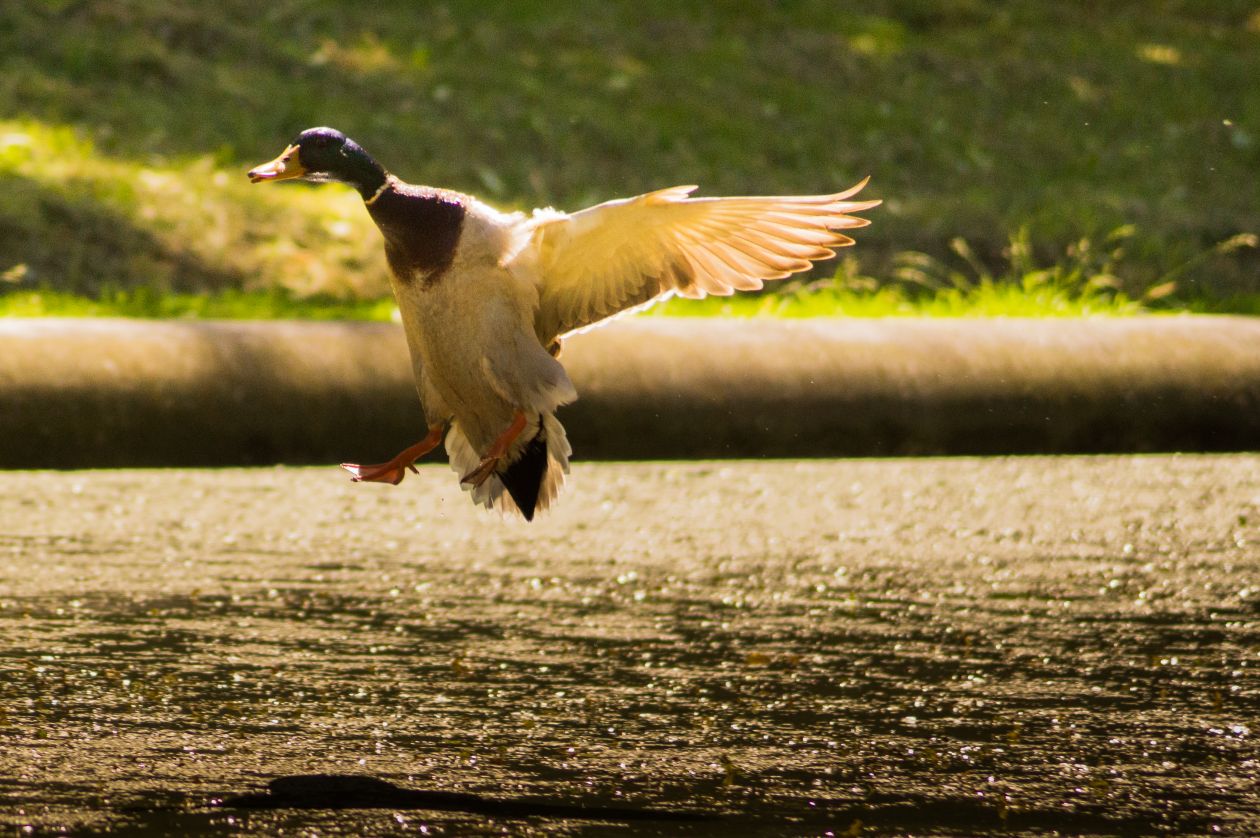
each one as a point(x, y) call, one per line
point(487, 297)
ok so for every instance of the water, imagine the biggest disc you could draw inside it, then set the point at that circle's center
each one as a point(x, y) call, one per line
point(925, 647)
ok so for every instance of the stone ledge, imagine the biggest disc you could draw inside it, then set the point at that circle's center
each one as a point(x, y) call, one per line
point(100, 393)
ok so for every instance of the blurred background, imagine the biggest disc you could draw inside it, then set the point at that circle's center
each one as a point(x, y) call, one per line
point(1104, 152)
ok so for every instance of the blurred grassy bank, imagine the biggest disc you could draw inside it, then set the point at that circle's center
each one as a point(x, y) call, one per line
point(1107, 149)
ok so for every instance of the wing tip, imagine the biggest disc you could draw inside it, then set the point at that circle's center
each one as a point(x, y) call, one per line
point(669, 194)
point(851, 191)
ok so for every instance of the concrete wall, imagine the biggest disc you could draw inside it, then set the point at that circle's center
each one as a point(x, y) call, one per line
point(84, 393)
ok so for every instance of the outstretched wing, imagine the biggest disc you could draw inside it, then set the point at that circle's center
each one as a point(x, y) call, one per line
point(621, 254)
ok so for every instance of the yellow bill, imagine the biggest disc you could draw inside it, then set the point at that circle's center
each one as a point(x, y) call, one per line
point(288, 165)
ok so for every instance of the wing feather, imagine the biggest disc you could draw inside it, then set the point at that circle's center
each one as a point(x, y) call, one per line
point(739, 276)
point(626, 253)
point(781, 260)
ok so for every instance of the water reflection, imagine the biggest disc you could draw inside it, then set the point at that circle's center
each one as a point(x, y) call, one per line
point(766, 685)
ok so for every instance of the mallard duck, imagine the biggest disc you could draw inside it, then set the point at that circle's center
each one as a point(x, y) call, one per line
point(486, 297)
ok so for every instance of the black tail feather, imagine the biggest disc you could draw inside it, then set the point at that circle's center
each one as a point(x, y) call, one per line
point(524, 478)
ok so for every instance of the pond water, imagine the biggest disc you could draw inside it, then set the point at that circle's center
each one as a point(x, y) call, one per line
point(855, 647)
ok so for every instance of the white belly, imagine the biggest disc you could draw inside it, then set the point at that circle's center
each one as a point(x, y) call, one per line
point(472, 333)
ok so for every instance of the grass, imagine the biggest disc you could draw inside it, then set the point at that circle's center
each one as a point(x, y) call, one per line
point(126, 126)
point(226, 304)
point(824, 301)
point(1081, 283)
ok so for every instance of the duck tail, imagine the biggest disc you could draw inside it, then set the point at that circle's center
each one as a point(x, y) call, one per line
point(524, 477)
point(532, 478)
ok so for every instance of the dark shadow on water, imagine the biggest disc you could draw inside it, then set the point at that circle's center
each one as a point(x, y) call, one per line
point(297, 799)
point(347, 791)
point(349, 804)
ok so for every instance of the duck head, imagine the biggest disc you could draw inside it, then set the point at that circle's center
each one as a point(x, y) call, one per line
point(320, 155)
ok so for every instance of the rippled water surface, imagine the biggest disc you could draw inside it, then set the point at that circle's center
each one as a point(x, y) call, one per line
point(907, 647)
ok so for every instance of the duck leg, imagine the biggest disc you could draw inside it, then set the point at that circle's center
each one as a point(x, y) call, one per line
point(500, 446)
point(396, 469)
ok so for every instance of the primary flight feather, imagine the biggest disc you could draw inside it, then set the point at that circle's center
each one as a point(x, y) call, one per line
point(487, 296)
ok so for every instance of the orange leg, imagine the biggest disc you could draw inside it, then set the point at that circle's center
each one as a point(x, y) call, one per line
point(490, 461)
point(396, 469)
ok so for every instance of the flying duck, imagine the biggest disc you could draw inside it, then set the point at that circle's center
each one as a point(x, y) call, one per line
point(487, 296)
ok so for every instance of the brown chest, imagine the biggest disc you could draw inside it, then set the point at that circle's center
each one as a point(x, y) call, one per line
point(422, 229)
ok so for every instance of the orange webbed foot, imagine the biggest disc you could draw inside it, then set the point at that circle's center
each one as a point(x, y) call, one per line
point(497, 450)
point(391, 472)
point(481, 473)
point(396, 469)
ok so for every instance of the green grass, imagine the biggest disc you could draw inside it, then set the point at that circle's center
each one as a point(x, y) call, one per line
point(819, 299)
point(126, 126)
point(226, 304)
point(984, 301)
point(1081, 283)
